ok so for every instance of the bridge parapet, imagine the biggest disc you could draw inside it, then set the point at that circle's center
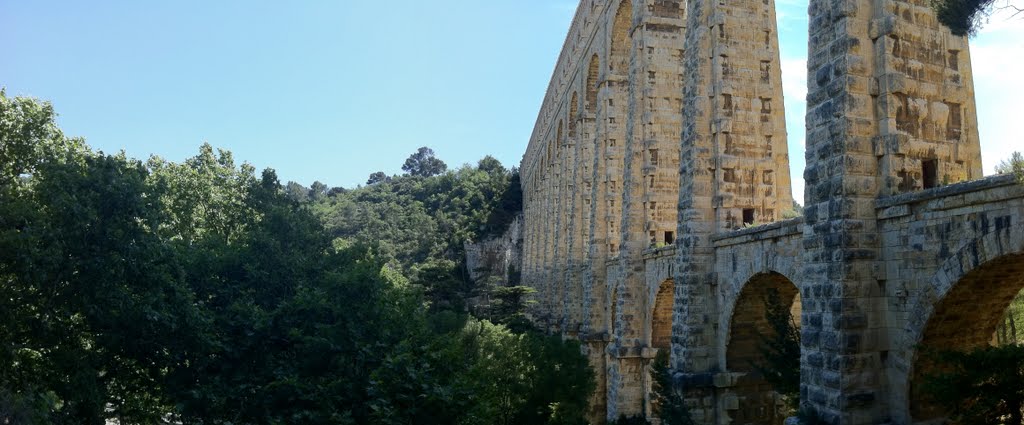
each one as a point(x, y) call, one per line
point(778, 229)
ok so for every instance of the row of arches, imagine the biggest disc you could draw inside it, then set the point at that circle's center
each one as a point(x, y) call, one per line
point(960, 308)
point(574, 173)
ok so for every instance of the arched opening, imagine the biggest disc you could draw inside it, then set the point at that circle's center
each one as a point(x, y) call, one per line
point(661, 317)
point(759, 313)
point(967, 318)
point(619, 65)
point(593, 72)
point(559, 138)
point(573, 111)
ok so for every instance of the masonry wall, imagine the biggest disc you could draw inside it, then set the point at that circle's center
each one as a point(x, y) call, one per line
point(600, 179)
point(659, 155)
point(934, 243)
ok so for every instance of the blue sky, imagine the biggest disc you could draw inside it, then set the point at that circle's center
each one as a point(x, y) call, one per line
point(335, 90)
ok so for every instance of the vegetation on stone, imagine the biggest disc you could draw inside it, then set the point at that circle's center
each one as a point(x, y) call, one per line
point(202, 292)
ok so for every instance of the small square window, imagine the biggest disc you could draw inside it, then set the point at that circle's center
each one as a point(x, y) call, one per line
point(748, 216)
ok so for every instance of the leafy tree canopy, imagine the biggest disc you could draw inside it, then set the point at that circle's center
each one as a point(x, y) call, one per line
point(423, 163)
point(202, 292)
point(966, 17)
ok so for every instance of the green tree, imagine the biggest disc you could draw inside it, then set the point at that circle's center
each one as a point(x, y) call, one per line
point(982, 386)
point(317, 191)
point(377, 177)
point(202, 293)
point(670, 401)
point(96, 316)
point(780, 349)
point(966, 17)
point(490, 165)
point(297, 192)
point(1014, 165)
point(509, 304)
point(423, 163)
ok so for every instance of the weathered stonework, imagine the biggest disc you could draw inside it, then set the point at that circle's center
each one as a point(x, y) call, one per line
point(662, 138)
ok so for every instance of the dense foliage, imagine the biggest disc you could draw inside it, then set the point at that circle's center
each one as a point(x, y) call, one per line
point(418, 225)
point(201, 292)
point(983, 386)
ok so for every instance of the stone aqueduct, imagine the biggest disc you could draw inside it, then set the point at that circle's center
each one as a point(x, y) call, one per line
point(661, 144)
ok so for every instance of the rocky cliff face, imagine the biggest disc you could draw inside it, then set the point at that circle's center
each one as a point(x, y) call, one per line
point(498, 257)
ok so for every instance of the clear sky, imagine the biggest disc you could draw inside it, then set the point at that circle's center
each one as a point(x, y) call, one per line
point(335, 90)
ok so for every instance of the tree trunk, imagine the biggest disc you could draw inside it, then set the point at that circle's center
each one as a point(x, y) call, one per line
point(1013, 329)
point(1001, 333)
point(1015, 406)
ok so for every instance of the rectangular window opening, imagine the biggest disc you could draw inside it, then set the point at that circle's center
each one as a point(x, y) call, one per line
point(670, 238)
point(748, 216)
point(930, 173)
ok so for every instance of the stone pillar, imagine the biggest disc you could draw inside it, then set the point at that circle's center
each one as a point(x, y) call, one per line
point(624, 390)
point(734, 167)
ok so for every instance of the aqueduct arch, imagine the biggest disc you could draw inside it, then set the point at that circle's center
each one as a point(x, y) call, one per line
point(749, 328)
point(661, 316)
point(959, 308)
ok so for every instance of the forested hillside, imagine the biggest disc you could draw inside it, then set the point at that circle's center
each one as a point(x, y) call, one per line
point(205, 292)
point(417, 222)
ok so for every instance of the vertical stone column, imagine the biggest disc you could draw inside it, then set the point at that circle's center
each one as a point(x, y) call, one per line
point(692, 326)
point(622, 396)
point(653, 106)
point(734, 169)
point(548, 272)
point(575, 253)
point(557, 275)
point(573, 286)
point(594, 334)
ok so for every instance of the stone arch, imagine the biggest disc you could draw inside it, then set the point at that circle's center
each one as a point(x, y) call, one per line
point(661, 316)
point(620, 38)
point(959, 308)
point(747, 326)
